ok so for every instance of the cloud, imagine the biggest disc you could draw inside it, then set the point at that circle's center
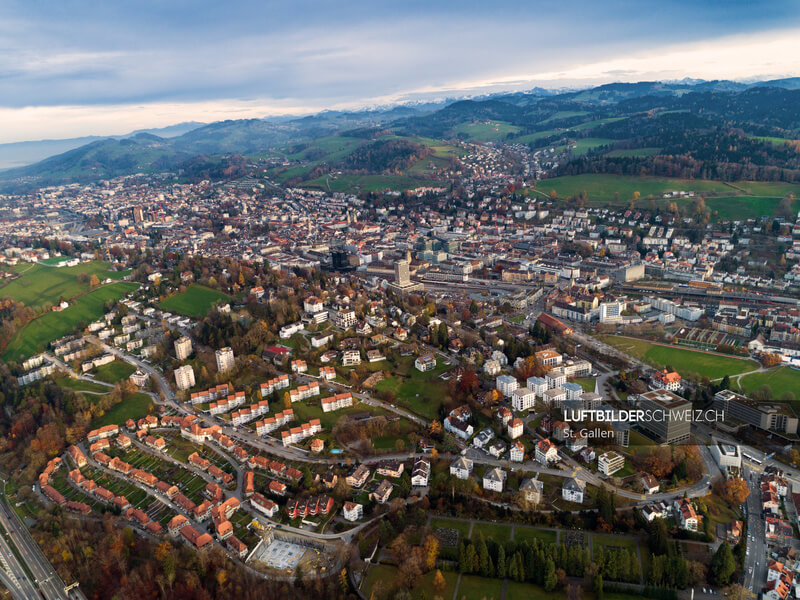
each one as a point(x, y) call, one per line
point(82, 68)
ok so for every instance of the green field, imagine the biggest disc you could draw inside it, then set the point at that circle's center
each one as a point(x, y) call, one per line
point(370, 183)
point(686, 362)
point(532, 137)
point(79, 385)
point(780, 380)
point(564, 114)
point(778, 141)
point(745, 207)
point(35, 336)
point(480, 588)
point(492, 531)
point(114, 371)
point(135, 406)
point(421, 392)
point(39, 285)
point(492, 131)
point(196, 301)
point(601, 189)
point(583, 145)
point(528, 534)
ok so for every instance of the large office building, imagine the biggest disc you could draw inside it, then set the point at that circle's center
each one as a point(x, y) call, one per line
point(768, 416)
point(671, 420)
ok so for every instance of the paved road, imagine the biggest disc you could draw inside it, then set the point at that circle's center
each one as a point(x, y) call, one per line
point(45, 576)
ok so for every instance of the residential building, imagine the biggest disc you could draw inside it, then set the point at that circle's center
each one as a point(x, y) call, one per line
point(523, 399)
point(183, 348)
point(506, 384)
point(225, 360)
point(515, 428)
point(610, 462)
point(573, 489)
point(494, 479)
point(184, 377)
point(461, 468)
point(546, 452)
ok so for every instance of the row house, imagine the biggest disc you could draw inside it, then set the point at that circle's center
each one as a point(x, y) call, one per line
point(278, 383)
point(102, 433)
point(337, 402)
point(211, 394)
point(247, 414)
point(304, 391)
point(99, 446)
point(309, 507)
point(77, 456)
point(156, 443)
point(227, 404)
point(298, 434)
point(220, 475)
point(198, 461)
point(275, 422)
point(119, 465)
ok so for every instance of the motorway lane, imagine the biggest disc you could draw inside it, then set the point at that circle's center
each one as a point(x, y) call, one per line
point(45, 575)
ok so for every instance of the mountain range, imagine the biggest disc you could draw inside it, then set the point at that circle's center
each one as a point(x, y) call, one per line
point(643, 115)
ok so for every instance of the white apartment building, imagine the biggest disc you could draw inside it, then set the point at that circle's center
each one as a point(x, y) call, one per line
point(184, 377)
point(225, 360)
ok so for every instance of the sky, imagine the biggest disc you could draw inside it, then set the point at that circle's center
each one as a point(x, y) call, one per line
point(82, 67)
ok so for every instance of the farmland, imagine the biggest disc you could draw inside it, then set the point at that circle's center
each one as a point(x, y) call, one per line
point(686, 362)
point(196, 301)
point(38, 333)
point(39, 286)
point(491, 131)
point(744, 207)
point(619, 190)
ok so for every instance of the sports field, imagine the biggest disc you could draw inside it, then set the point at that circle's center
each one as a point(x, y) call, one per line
point(196, 301)
point(35, 336)
point(686, 362)
point(39, 285)
point(780, 381)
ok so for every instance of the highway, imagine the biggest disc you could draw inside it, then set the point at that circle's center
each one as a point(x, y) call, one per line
point(45, 576)
point(755, 562)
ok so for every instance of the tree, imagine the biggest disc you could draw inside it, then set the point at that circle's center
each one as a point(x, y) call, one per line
point(550, 577)
point(94, 281)
point(439, 583)
point(735, 491)
point(430, 549)
point(722, 565)
point(736, 591)
point(501, 563)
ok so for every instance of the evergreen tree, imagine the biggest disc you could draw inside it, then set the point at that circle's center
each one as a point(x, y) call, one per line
point(550, 578)
point(501, 563)
point(722, 565)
